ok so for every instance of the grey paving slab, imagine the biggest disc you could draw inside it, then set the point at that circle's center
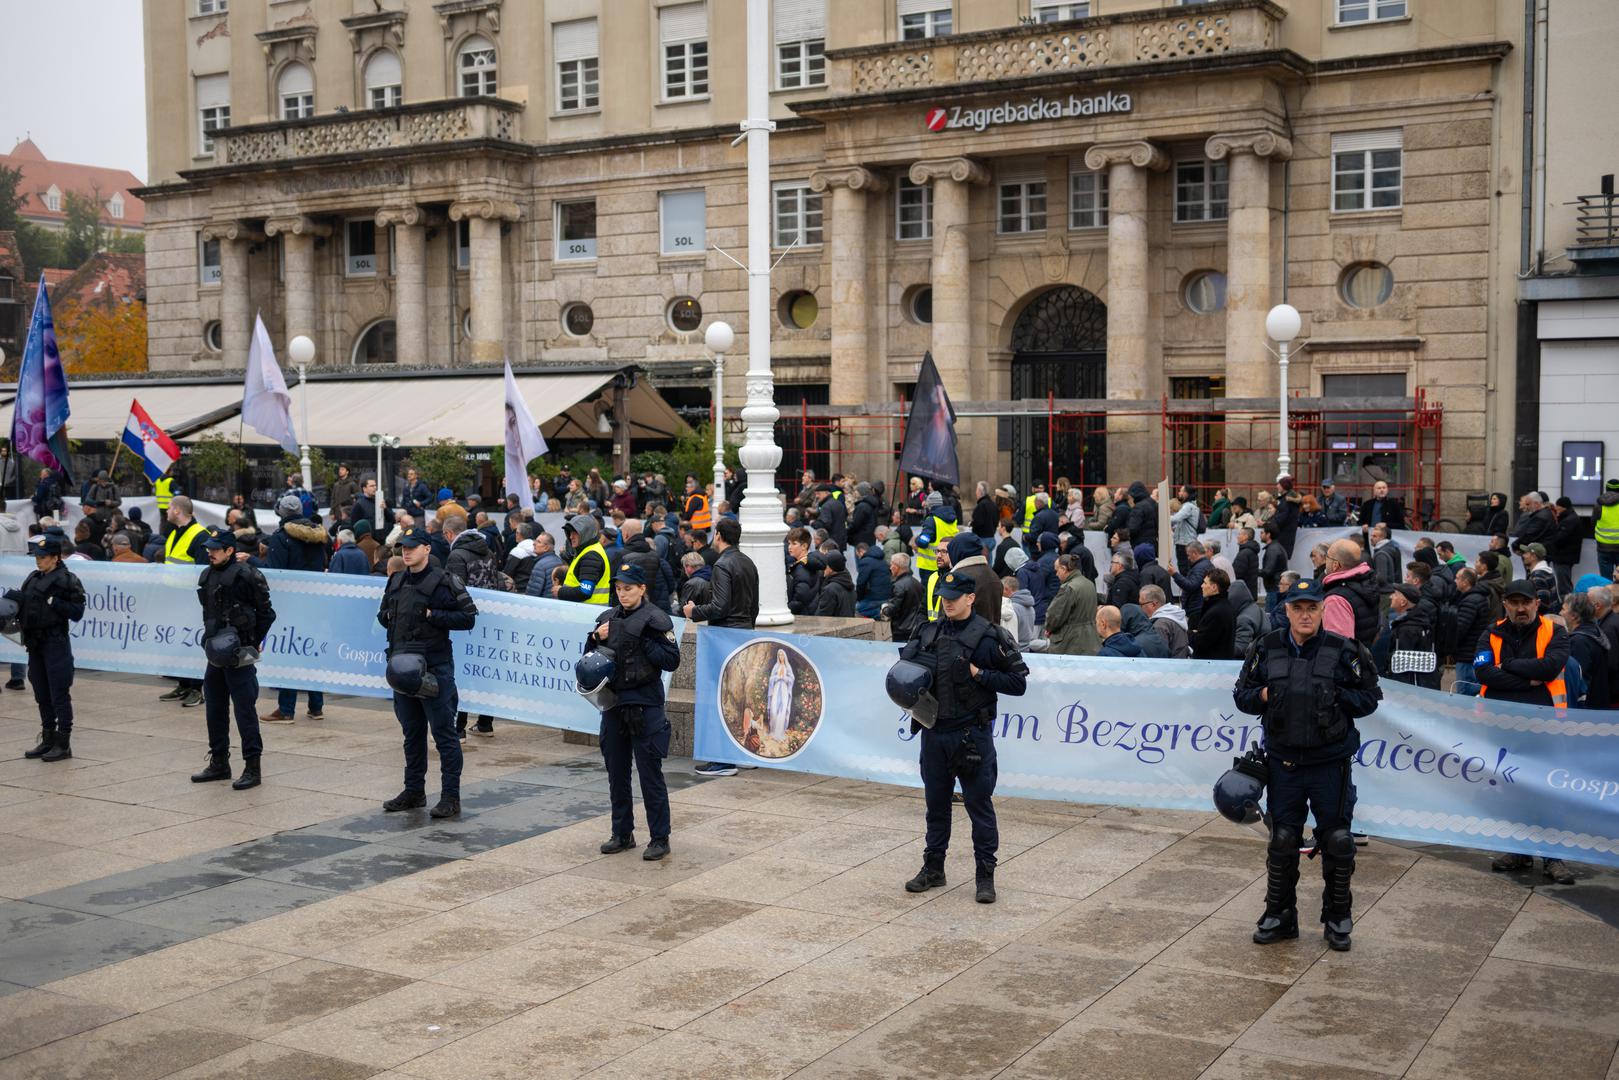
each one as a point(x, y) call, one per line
point(136, 888)
point(492, 794)
point(358, 868)
point(244, 901)
point(461, 840)
point(575, 773)
point(272, 852)
point(20, 919)
point(372, 825)
point(69, 950)
point(11, 988)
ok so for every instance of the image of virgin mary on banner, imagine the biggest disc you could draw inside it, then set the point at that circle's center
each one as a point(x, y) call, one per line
point(929, 450)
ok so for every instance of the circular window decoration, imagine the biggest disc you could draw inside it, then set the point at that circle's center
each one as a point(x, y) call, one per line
point(577, 319)
point(772, 699)
point(685, 315)
point(1366, 285)
point(798, 310)
point(466, 324)
point(213, 337)
point(1204, 292)
point(918, 302)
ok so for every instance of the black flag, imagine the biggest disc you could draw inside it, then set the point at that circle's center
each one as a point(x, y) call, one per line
point(930, 431)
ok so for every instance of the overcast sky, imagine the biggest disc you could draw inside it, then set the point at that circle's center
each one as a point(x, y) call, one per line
point(75, 78)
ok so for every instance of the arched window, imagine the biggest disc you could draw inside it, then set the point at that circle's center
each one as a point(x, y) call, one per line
point(376, 344)
point(476, 65)
point(295, 89)
point(384, 88)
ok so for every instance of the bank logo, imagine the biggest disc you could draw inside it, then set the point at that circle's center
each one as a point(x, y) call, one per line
point(937, 119)
point(949, 118)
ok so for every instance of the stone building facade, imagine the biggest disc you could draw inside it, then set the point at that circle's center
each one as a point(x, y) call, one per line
point(1090, 200)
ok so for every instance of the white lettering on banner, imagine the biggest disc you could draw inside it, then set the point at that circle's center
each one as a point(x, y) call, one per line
point(981, 119)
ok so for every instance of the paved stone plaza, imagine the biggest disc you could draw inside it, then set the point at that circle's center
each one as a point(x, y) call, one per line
point(155, 928)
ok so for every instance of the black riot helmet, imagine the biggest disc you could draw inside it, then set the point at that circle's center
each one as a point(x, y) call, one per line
point(591, 673)
point(1239, 789)
point(224, 649)
point(11, 620)
point(910, 686)
point(408, 674)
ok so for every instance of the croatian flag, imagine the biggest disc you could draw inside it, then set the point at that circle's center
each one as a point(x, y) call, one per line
point(157, 451)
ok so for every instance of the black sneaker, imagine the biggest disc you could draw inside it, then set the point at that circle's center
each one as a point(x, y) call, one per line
point(1277, 926)
point(715, 768)
point(448, 806)
point(406, 800)
point(926, 878)
point(484, 727)
point(656, 850)
point(986, 888)
point(615, 844)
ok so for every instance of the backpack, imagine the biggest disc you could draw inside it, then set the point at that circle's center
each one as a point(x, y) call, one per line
point(307, 502)
point(483, 574)
point(1202, 524)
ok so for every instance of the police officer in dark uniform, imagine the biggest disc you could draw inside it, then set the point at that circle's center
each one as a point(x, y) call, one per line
point(421, 606)
point(1310, 686)
point(971, 661)
point(642, 643)
point(236, 618)
point(50, 598)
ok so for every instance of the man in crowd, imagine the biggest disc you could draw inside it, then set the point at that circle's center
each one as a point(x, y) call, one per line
point(907, 610)
point(183, 547)
point(733, 601)
point(1071, 619)
point(546, 560)
point(1382, 508)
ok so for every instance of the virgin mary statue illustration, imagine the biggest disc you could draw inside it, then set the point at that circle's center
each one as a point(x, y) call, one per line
point(779, 700)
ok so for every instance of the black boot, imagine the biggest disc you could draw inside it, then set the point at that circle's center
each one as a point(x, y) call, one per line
point(656, 850)
point(406, 800)
point(250, 775)
point(1274, 926)
point(1336, 902)
point(615, 844)
point(448, 806)
point(931, 876)
point(62, 750)
point(986, 884)
point(218, 768)
point(1280, 922)
point(46, 741)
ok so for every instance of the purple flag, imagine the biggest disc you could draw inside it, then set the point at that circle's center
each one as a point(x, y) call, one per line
point(39, 417)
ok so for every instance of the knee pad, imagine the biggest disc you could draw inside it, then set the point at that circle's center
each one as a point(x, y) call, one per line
point(1284, 840)
point(1339, 843)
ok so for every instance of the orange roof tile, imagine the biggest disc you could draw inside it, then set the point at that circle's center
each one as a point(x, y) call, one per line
point(40, 174)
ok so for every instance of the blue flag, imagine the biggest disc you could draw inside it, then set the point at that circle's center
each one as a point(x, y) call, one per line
point(39, 417)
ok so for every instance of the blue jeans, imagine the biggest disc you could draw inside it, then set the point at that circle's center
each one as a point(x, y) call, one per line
point(1606, 561)
point(417, 716)
point(19, 671)
point(1465, 683)
point(287, 702)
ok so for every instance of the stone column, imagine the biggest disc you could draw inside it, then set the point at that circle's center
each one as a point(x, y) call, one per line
point(235, 314)
point(851, 374)
point(952, 282)
point(410, 280)
point(1250, 371)
point(488, 274)
point(1134, 367)
point(298, 235)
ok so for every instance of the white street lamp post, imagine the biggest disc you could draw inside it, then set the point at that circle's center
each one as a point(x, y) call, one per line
point(760, 512)
point(1282, 325)
point(379, 441)
point(301, 351)
point(719, 339)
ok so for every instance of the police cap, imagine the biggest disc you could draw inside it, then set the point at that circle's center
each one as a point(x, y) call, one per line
point(52, 541)
point(955, 586)
point(219, 539)
point(629, 574)
point(1303, 589)
point(413, 538)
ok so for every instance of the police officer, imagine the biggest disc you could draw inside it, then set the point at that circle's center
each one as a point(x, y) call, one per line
point(971, 661)
point(641, 639)
point(236, 618)
point(421, 605)
point(50, 598)
point(1310, 686)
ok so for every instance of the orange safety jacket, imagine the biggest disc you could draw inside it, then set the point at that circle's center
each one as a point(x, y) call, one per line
point(1543, 638)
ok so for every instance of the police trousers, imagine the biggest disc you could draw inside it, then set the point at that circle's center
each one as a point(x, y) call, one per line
point(222, 690)
point(619, 747)
point(417, 716)
point(939, 756)
point(50, 671)
point(1325, 791)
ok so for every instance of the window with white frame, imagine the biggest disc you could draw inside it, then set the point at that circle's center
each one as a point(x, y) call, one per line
point(384, 81)
point(1201, 190)
point(212, 7)
point(920, 19)
point(1366, 167)
point(578, 58)
point(360, 244)
point(683, 222)
point(683, 33)
point(475, 63)
point(800, 43)
point(213, 109)
point(115, 206)
point(913, 210)
point(1057, 10)
point(576, 230)
point(53, 199)
point(798, 215)
point(463, 244)
point(295, 90)
point(1087, 200)
point(209, 272)
point(1360, 11)
point(1022, 205)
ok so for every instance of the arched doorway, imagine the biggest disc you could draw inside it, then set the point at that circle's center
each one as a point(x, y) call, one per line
point(376, 344)
point(1059, 347)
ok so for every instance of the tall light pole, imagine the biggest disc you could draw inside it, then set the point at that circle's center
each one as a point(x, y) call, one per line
point(760, 513)
point(380, 440)
point(301, 351)
point(719, 339)
point(1282, 325)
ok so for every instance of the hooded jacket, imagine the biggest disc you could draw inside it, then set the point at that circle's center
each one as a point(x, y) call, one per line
point(1143, 520)
point(1170, 622)
point(1147, 638)
point(1120, 644)
point(873, 586)
point(836, 597)
point(1150, 573)
point(1250, 619)
point(1071, 620)
point(1021, 604)
point(1245, 566)
point(591, 568)
point(1351, 606)
point(1590, 647)
point(660, 580)
point(863, 520)
point(967, 557)
point(299, 544)
point(1039, 576)
point(469, 548)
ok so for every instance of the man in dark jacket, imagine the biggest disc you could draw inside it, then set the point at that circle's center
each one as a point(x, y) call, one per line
point(873, 587)
point(1588, 645)
point(1148, 572)
point(1215, 636)
point(836, 596)
point(1475, 611)
point(1143, 520)
point(1134, 621)
point(546, 560)
point(1039, 576)
point(1191, 583)
point(803, 573)
point(1285, 519)
point(1334, 507)
point(1536, 523)
point(299, 544)
point(1125, 586)
point(1564, 549)
point(1272, 565)
point(1045, 521)
point(863, 519)
point(698, 586)
point(470, 558)
point(967, 558)
point(660, 581)
point(906, 611)
point(832, 515)
point(1110, 628)
point(986, 516)
point(414, 497)
point(733, 602)
point(1382, 507)
point(1005, 544)
point(50, 599)
point(1245, 563)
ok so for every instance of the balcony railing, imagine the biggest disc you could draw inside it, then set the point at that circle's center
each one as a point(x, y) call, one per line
point(336, 134)
point(1227, 26)
point(1596, 221)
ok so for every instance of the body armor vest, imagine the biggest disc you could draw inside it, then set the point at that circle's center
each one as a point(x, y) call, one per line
point(407, 604)
point(38, 620)
point(1303, 709)
point(631, 668)
point(222, 603)
point(962, 701)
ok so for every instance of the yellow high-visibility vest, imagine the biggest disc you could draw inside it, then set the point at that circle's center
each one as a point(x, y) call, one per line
point(603, 589)
point(942, 532)
point(178, 546)
point(1607, 529)
point(164, 490)
point(934, 599)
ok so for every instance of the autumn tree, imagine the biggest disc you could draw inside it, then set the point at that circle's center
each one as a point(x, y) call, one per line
point(98, 338)
point(85, 235)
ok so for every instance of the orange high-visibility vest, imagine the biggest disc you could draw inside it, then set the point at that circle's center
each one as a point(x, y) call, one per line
point(1543, 638)
point(700, 518)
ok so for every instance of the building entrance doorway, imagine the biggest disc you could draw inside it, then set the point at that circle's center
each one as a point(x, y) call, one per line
point(1059, 347)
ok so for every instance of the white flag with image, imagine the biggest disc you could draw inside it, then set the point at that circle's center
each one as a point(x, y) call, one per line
point(524, 442)
point(266, 404)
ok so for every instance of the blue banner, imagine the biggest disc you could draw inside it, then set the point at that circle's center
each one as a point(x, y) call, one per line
point(1432, 767)
point(146, 620)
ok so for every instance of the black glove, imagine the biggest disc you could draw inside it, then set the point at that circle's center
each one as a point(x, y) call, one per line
point(632, 717)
